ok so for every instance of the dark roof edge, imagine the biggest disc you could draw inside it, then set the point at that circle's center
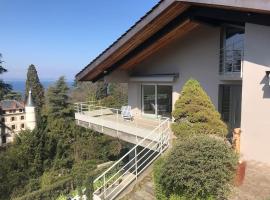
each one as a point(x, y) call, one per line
point(252, 5)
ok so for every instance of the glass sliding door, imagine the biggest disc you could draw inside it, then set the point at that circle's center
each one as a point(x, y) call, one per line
point(164, 100)
point(149, 99)
point(230, 104)
point(157, 100)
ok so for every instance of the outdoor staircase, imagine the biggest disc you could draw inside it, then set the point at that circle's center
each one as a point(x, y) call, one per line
point(144, 190)
point(127, 169)
point(150, 138)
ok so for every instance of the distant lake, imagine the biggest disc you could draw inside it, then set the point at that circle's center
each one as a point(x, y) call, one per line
point(19, 86)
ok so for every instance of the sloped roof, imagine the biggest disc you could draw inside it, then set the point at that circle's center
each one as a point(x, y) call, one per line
point(107, 58)
point(11, 105)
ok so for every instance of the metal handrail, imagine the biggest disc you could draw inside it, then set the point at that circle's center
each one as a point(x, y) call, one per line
point(129, 170)
point(231, 58)
point(117, 177)
point(138, 144)
point(83, 107)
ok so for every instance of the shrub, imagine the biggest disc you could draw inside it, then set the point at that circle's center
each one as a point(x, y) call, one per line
point(199, 167)
point(51, 192)
point(194, 113)
point(158, 166)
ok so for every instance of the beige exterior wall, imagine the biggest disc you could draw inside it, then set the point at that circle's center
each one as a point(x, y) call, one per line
point(256, 94)
point(13, 118)
point(194, 56)
point(197, 56)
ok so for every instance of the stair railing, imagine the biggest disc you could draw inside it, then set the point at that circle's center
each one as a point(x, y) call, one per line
point(127, 169)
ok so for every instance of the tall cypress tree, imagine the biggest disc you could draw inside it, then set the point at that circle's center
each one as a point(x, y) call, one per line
point(33, 83)
point(4, 87)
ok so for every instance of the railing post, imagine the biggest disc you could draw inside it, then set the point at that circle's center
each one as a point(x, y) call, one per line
point(81, 108)
point(136, 164)
point(225, 59)
point(102, 125)
point(104, 187)
point(161, 142)
point(117, 121)
point(169, 133)
point(242, 55)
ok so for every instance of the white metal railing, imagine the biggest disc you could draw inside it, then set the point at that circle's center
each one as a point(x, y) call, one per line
point(231, 58)
point(93, 108)
point(127, 169)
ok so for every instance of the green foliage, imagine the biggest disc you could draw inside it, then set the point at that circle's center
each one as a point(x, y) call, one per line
point(33, 83)
point(194, 113)
point(4, 87)
point(158, 166)
point(57, 100)
point(50, 192)
point(101, 91)
point(200, 167)
point(83, 91)
point(13, 96)
point(57, 157)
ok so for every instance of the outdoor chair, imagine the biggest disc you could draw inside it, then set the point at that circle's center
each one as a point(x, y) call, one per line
point(126, 112)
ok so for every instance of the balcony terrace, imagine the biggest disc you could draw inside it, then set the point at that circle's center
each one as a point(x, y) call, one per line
point(110, 121)
point(231, 61)
point(149, 136)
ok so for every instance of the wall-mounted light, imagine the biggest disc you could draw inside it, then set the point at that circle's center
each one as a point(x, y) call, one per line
point(268, 76)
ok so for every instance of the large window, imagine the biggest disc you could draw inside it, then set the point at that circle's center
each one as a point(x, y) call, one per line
point(232, 45)
point(157, 100)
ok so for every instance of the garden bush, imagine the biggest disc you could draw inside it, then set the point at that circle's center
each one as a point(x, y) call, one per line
point(199, 167)
point(50, 192)
point(194, 113)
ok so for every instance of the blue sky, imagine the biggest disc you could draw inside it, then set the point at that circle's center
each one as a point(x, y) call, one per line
point(60, 37)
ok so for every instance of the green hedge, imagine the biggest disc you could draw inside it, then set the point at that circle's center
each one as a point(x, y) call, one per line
point(81, 176)
point(159, 164)
point(197, 168)
point(50, 192)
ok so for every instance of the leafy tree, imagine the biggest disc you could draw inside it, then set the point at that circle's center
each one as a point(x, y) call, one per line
point(41, 162)
point(33, 83)
point(116, 97)
point(198, 167)
point(12, 95)
point(61, 127)
point(4, 87)
point(57, 100)
point(83, 91)
point(194, 113)
point(102, 90)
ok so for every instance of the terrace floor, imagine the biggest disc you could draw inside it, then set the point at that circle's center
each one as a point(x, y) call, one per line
point(110, 123)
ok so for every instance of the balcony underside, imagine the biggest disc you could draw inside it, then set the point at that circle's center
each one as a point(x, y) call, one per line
point(230, 76)
point(110, 124)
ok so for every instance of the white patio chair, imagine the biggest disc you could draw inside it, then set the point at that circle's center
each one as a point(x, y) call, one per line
point(126, 112)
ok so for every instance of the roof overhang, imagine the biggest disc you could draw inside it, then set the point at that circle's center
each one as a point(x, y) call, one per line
point(168, 20)
point(262, 6)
